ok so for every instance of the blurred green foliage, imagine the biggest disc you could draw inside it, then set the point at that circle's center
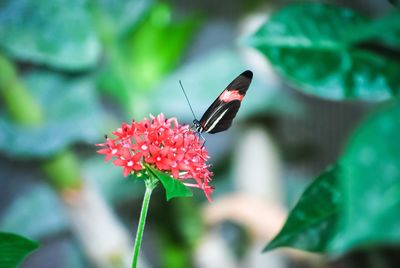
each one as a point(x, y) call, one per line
point(143, 56)
point(71, 113)
point(68, 42)
point(48, 217)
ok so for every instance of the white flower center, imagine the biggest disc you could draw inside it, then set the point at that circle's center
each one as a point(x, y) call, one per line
point(130, 163)
point(114, 151)
point(144, 147)
point(158, 158)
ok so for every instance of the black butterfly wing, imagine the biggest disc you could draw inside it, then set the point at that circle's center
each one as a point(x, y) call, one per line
point(220, 114)
point(222, 117)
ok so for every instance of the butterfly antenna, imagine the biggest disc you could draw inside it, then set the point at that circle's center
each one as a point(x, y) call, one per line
point(190, 106)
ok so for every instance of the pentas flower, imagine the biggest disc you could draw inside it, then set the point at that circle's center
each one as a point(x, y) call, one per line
point(164, 144)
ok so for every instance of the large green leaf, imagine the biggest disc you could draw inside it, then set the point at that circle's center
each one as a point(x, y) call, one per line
point(358, 205)
point(57, 33)
point(330, 52)
point(13, 249)
point(72, 113)
point(173, 187)
point(311, 224)
point(371, 183)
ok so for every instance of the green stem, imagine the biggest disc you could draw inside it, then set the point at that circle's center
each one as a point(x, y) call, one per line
point(62, 171)
point(150, 185)
point(21, 106)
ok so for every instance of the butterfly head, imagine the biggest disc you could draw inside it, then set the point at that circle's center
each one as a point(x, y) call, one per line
point(197, 126)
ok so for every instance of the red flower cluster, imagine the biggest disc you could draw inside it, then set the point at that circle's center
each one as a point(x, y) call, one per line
point(163, 143)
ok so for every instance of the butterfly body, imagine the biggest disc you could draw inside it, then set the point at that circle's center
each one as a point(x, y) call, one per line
point(219, 116)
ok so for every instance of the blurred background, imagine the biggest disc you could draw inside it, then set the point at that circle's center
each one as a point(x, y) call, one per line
point(72, 71)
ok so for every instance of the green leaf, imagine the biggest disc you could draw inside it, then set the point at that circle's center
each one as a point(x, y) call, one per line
point(56, 33)
point(72, 113)
point(383, 33)
point(359, 205)
point(14, 248)
point(312, 223)
point(371, 183)
point(173, 187)
point(328, 51)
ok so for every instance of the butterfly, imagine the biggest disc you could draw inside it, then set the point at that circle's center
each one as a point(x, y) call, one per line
point(219, 116)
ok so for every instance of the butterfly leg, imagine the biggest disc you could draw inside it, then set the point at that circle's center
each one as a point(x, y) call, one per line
point(195, 127)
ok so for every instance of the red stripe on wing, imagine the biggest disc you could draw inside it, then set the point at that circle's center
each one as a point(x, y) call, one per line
point(230, 95)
